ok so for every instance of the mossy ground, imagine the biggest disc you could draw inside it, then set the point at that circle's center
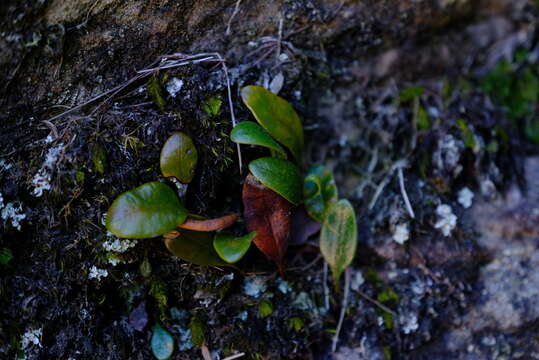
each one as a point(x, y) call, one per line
point(345, 67)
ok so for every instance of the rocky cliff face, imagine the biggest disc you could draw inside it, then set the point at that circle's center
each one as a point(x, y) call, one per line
point(72, 291)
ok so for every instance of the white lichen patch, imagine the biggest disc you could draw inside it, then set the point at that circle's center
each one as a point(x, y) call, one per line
point(114, 244)
point(447, 155)
point(174, 86)
point(283, 286)
point(446, 219)
point(31, 338)
point(96, 273)
point(465, 197)
point(255, 286)
point(42, 180)
point(408, 323)
point(356, 280)
point(4, 165)
point(401, 234)
point(11, 214)
point(303, 302)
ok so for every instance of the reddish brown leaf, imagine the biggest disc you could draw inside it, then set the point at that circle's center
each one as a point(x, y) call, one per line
point(210, 224)
point(267, 213)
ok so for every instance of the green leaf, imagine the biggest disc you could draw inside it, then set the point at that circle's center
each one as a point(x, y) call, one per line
point(276, 116)
point(162, 343)
point(147, 211)
point(231, 248)
point(422, 119)
point(5, 256)
point(279, 175)
point(179, 157)
point(155, 91)
point(195, 247)
point(212, 107)
point(319, 191)
point(338, 237)
point(410, 93)
point(251, 133)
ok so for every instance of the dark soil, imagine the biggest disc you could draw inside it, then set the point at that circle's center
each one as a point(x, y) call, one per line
point(470, 295)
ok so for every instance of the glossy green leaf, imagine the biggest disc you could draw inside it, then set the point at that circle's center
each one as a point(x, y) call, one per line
point(276, 116)
point(279, 175)
point(162, 343)
point(319, 191)
point(251, 133)
point(179, 157)
point(231, 248)
point(147, 211)
point(195, 247)
point(338, 237)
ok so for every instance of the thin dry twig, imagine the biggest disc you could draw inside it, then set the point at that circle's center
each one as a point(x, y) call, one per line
point(234, 13)
point(343, 309)
point(326, 290)
point(163, 62)
point(377, 303)
point(404, 194)
point(236, 356)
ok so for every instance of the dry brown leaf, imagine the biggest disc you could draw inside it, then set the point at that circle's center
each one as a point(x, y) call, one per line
point(268, 214)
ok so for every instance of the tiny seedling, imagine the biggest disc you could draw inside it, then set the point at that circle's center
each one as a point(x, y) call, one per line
point(274, 186)
point(153, 209)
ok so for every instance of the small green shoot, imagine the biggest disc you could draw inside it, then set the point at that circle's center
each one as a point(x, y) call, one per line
point(212, 107)
point(338, 238)
point(279, 175)
point(251, 133)
point(195, 247)
point(179, 157)
point(155, 91)
point(276, 116)
point(319, 191)
point(231, 248)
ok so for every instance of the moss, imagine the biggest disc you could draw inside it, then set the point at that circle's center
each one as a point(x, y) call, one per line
point(99, 158)
point(265, 308)
point(196, 325)
point(158, 290)
point(155, 91)
point(296, 324)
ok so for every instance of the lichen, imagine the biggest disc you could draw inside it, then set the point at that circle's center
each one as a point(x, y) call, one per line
point(446, 219)
point(96, 273)
point(401, 233)
point(42, 180)
point(254, 286)
point(11, 214)
point(465, 197)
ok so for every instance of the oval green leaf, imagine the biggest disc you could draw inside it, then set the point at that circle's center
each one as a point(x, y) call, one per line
point(279, 175)
point(147, 211)
point(338, 237)
point(319, 191)
point(251, 133)
point(195, 247)
point(162, 343)
point(230, 248)
point(179, 157)
point(276, 116)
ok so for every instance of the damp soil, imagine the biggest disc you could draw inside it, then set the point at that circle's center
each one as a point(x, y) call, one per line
point(347, 68)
